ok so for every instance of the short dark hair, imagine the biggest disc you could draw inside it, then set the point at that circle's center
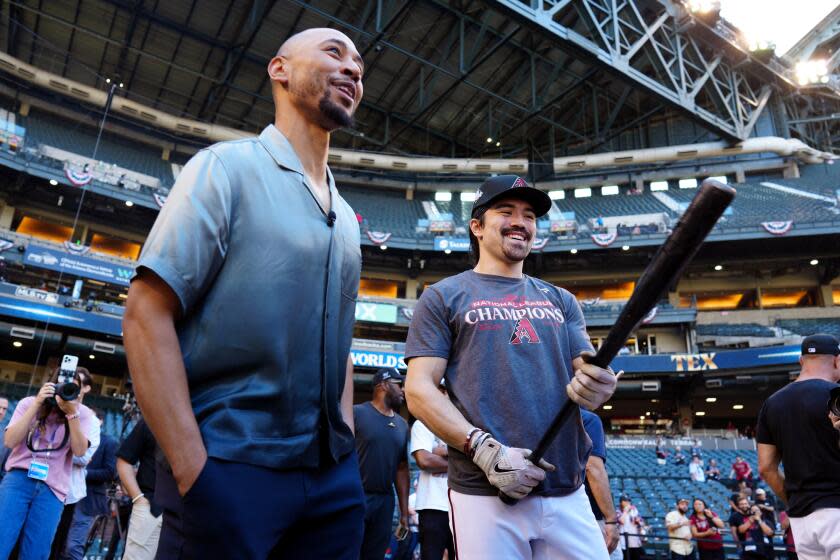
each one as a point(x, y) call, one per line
point(475, 250)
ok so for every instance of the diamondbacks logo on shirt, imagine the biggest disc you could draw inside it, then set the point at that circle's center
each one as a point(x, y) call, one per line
point(524, 330)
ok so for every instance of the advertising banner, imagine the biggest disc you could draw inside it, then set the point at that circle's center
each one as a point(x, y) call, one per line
point(77, 265)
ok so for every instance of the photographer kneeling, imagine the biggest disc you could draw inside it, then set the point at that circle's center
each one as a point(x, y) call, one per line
point(795, 428)
point(44, 434)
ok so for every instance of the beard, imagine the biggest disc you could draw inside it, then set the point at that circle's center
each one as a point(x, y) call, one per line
point(394, 403)
point(330, 114)
point(513, 251)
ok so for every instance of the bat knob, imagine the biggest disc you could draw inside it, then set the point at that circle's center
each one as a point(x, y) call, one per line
point(507, 499)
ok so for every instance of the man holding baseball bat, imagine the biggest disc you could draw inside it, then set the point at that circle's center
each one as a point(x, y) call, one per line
point(511, 348)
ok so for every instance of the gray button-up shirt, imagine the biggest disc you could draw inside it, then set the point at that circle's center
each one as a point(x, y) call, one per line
point(268, 293)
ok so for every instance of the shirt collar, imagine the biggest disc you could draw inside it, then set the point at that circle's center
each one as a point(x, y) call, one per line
point(284, 154)
point(280, 149)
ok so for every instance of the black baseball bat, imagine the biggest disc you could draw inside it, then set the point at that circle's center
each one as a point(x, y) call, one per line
point(665, 267)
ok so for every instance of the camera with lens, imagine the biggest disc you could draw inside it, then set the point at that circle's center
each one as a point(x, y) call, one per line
point(834, 401)
point(66, 386)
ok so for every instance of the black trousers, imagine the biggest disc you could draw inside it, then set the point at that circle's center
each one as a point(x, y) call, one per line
point(379, 516)
point(435, 536)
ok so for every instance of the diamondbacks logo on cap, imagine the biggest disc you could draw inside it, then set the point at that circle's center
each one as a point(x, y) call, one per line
point(524, 331)
point(520, 182)
point(478, 194)
point(812, 350)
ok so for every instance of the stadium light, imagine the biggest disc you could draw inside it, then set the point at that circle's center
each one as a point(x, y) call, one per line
point(129, 203)
point(489, 139)
point(703, 6)
point(447, 251)
point(468, 196)
point(583, 192)
point(17, 344)
point(556, 195)
point(711, 399)
point(53, 182)
point(122, 85)
point(812, 72)
point(383, 247)
point(654, 400)
point(91, 356)
point(737, 407)
point(659, 186)
point(688, 183)
point(107, 80)
point(625, 247)
point(609, 190)
point(607, 407)
point(814, 262)
point(641, 417)
point(573, 251)
point(443, 196)
point(700, 413)
point(718, 267)
point(499, 143)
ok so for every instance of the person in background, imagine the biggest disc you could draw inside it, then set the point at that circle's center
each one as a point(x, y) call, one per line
point(631, 527)
point(432, 504)
point(695, 469)
point(695, 449)
point(78, 488)
point(679, 532)
point(713, 471)
point(679, 456)
point(101, 471)
point(767, 506)
point(44, 434)
point(382, 447)
point(141, 542)
point(597, 482)
point(751, 531)
point(706, 527)
point(741, 471)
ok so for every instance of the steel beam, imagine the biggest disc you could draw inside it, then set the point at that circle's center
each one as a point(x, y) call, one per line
point(632, 42)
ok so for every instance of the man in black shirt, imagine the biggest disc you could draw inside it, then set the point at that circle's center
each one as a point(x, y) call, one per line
point(751, 531)
point(144, 527)
point(794, 428)
point(382, 446)
point(766, 505)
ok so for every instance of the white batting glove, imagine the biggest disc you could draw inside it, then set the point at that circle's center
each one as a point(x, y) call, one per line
point(508, 468)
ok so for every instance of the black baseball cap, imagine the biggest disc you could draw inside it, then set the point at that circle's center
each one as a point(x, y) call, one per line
point(820, 344)
point(510, 186)
point(386, 374)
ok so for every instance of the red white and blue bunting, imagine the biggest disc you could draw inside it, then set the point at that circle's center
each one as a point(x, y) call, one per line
point(78, 178)
point(591, 301)
point(539, 243)
point(604, 239)
point(75, 248)
point(378, 237)
point(160, 199)
point(650, 316)
point(777, 228)
point(5, 245)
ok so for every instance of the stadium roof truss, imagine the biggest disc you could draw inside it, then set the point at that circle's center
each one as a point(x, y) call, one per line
point(457, 78)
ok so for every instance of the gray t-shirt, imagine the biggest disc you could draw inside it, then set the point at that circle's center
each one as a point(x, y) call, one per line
point(509, 345)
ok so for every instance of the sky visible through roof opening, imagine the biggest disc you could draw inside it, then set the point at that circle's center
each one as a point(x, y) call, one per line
point(780, 21)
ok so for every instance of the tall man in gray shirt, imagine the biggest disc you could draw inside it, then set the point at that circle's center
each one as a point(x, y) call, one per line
point(511, 350)
point(239, 322)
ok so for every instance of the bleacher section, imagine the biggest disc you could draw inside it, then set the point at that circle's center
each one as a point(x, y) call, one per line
point(615, 205)
point(654, 488)
point(807, 327)
point(72, 137)
point(744, 329)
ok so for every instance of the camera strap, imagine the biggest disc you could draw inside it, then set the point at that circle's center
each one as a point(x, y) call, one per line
point(35, 436)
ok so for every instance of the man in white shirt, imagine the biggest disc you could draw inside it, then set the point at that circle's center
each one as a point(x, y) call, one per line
point(695, 469)
point(432, 504)
point(679, 532)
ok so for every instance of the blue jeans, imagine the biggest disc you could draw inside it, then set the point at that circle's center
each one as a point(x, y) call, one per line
point(29, 509)
point(77, 535)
